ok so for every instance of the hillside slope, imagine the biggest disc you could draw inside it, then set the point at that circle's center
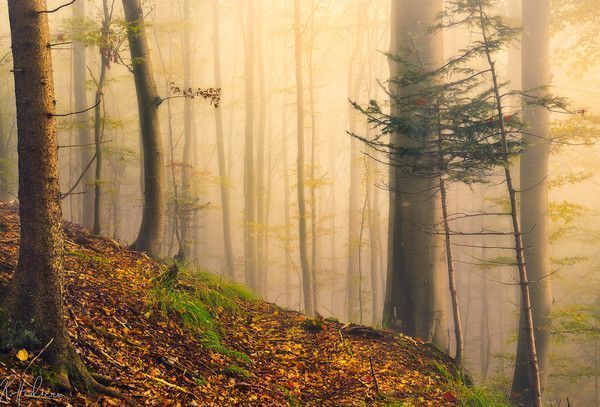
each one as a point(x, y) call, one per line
point(246, 351)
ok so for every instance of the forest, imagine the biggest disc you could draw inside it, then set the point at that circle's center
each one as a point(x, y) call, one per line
point(300, 202)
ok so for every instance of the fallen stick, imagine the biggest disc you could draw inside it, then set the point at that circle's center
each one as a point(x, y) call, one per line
point(166, 383)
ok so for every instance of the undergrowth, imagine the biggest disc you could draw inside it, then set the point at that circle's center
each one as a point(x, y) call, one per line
point(193, 297)
point(469, 395)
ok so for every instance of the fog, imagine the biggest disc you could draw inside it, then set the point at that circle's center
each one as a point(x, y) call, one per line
point(344, 58)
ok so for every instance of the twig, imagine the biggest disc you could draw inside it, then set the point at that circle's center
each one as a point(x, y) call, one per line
point(38, 355)
point(79, 112)
point(70, 191)
point(166, 383)
point(56, 9)
point(373, 374)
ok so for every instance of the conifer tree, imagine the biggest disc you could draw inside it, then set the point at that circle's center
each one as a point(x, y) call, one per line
point(475, 134)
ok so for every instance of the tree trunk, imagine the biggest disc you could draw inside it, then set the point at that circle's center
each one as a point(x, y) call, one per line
point(34, 298)
point(415, 289)
point(534, 393)
point(223, 173)
point(81, 122)
point(99, 119)
point(304, 264)
point(484, 332)
point(313, 166)
point(534, 195)
point(188, 134)
point(249, 181)
point(150, 234)
point(260, 153)
point(458, 332)
point(4, 188)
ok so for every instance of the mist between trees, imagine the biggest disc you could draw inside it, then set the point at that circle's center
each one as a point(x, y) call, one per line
point(426, 166)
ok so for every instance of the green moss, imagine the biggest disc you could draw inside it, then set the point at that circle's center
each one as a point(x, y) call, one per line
point(237, 371)
point(95, 260)
point(194, 297)
point(15, 335)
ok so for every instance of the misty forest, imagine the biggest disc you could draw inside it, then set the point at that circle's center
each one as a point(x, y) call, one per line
point(300, 202)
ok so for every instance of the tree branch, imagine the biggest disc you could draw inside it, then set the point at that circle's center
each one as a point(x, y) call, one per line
point(56, 9)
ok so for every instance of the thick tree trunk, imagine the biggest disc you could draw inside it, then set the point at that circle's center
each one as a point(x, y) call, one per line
point(534, 195)
point(307, 286)
point(249, 181)
point(223, 173)
point(34, 297)
point(150, 234)
point(81, 122)
point(415, 289)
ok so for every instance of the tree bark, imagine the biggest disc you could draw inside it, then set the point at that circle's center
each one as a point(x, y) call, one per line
point(304, 263)
point(458, 332)
point(249, 181)
point(415, 289)
point(150, 234)
point(99, 119)
point(223, 173)
point(82, 121)
point(534, 196)
point(188, 135)
point(261, 234)
point(35, 294)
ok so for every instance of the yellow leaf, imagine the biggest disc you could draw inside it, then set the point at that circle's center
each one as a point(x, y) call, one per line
point(22, 355)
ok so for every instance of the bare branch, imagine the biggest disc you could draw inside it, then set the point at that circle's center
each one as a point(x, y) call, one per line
point(56, 9)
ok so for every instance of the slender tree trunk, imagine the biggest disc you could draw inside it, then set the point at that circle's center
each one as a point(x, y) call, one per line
point(149, 237)
point(4, 192)
point(286, 209)
point(415, 289)
point(223, 173)
point(373, 249)
point(353, 277)
point(534, 396)
point(188, 135)
point(313, 166)
point(534, 196)
point(260, 152)
point(353, 274)
point(249, 181)
point(309, 305)
point(484, 331)
point(458, 332)
point(83, 126)
point(34, 296)
point(99, 119)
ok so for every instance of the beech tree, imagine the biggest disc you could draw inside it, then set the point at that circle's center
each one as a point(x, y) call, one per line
point(307, 285)
point(34, 299)
point(249, 179)
point(415, 296)
point(536, 76)
point(81, 122)
point(150, 234)
point(223, 173)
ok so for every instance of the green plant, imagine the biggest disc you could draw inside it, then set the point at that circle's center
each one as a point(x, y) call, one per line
point(237, 371)
point(193, 297)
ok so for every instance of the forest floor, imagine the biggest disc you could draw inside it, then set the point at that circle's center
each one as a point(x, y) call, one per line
point(160, 347)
